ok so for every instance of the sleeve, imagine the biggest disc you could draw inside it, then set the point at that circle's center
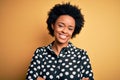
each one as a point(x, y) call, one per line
point(34, 67)
point(86, 68)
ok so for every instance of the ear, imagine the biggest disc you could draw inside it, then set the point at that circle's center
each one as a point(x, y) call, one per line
point(52, 25)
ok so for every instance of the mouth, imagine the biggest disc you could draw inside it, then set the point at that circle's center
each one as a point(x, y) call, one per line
point(62, 36)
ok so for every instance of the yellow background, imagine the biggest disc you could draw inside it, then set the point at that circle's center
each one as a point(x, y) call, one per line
point(23, 29)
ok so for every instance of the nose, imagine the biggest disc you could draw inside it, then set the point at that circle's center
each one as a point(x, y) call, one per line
point(65, 30)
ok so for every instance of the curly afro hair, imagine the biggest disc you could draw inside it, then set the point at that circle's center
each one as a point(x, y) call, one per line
point(65, 9)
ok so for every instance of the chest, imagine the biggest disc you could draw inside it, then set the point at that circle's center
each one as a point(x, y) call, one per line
point(61, 67)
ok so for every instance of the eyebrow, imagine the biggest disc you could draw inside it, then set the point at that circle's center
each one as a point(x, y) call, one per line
point(64, 24)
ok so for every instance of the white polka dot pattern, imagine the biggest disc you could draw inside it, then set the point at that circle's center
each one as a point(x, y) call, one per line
point(71, 64)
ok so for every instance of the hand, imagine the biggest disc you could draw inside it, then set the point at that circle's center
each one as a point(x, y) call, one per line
point(39, 78)
point(85, 78)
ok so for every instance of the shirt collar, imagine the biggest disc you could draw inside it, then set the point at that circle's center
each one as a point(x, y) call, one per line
point(69, 46)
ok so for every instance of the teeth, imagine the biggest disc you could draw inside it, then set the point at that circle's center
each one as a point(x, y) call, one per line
point(62, 36)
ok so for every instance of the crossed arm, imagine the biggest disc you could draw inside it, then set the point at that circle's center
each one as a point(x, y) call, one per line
point(39, 78)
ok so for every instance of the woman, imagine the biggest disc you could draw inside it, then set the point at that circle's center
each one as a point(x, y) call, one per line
point(61, 60)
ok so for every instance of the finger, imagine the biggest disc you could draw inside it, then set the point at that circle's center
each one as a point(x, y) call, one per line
point(85, 78)
point(39, 78)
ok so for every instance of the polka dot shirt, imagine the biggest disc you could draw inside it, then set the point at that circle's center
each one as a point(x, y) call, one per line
point(71, 64)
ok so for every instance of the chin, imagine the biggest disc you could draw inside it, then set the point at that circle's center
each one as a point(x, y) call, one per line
point(63, 41)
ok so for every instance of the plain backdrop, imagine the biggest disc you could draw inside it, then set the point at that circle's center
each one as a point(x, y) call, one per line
point(23, 28)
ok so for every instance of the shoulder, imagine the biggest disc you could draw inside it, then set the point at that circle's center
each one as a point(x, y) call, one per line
point(76, 49)
point(39, 52)
point(81, 53)
point(40, 49)
point(79, 50)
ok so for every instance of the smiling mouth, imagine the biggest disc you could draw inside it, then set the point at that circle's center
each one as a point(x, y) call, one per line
point(62, 36)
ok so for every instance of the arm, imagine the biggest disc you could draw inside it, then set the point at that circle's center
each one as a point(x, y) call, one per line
point(34, 67)
point(86, 68)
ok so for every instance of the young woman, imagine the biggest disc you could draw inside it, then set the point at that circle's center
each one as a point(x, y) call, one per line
point(61, 60)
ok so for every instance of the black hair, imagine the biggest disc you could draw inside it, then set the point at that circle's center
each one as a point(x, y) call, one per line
point(65, 9)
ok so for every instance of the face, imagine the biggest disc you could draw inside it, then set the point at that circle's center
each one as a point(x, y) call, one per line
point(63, 28)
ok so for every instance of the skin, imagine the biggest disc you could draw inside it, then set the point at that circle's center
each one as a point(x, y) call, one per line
point(63, 30)
point(39, 78)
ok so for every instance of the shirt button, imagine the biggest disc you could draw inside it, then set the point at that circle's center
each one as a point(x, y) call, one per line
point(55, 72)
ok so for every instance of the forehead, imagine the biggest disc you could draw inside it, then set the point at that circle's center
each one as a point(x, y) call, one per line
point(66, 19)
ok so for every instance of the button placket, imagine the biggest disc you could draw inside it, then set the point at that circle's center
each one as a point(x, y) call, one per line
point(58, 63)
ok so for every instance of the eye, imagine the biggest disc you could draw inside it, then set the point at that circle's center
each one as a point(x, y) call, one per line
point(60, 25)
point(70, 28)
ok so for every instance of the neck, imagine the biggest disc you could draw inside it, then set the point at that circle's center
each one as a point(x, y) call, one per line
point(57, 47)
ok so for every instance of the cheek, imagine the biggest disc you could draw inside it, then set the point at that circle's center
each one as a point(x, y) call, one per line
point(70, 33)
point(57, 30)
